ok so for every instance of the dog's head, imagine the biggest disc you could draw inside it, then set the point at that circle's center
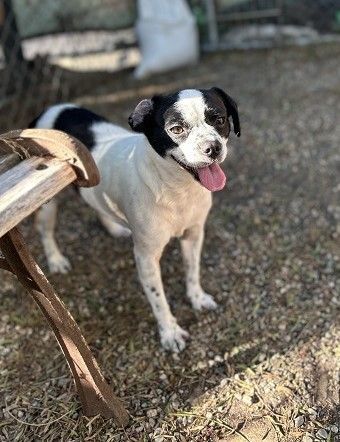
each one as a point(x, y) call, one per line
point(192, 128)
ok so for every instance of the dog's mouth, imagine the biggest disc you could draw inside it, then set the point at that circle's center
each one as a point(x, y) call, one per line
point(210, 176)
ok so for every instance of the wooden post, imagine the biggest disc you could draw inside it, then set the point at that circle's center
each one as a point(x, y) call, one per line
point(95, 394)
point(10, 37)
point(212, 23)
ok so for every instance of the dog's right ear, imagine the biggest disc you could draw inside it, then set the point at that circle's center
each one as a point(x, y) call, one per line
point(141, 116)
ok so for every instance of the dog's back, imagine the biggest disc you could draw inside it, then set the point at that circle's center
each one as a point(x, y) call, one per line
point(88, 127)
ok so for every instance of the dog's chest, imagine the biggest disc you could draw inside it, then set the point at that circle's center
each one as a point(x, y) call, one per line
point(185, 209)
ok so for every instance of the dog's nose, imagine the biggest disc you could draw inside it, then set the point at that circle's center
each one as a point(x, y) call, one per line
point(213, 149)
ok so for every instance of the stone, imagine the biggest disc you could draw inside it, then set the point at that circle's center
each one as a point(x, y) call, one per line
point(299, 421)
point(151, 413)
point(322, 434)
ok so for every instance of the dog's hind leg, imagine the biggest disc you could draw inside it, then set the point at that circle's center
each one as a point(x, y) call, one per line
point(191, 250)
point(114, 228)
point(45, 223)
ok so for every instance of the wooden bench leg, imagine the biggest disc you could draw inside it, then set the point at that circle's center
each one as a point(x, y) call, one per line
point(95, 394)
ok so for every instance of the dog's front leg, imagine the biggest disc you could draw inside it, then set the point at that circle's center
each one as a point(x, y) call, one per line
point(191, 245)
point(172, 335)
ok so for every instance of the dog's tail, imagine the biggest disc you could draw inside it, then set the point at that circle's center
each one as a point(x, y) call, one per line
point(34, 122)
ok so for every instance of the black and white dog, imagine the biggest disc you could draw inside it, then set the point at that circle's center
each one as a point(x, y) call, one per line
point(154, 185)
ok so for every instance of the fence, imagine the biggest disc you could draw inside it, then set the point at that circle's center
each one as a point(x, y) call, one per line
point(45, 42)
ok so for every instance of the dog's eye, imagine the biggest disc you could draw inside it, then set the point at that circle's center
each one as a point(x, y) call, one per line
point(177, 130)
point(220, 121)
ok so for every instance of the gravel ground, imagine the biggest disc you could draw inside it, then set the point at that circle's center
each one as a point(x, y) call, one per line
point(265, 365)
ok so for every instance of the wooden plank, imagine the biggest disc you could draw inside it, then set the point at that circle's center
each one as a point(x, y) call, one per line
point(51, 142)
point(27, 186)
point(8, 161)
point(249, 15)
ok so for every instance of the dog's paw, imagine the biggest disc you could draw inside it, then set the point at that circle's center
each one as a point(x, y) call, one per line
point(173, 338)
point(59, 264)
point(203, 301)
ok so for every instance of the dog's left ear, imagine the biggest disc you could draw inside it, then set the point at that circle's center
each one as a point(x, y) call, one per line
point(141, 116)
point(231, 107)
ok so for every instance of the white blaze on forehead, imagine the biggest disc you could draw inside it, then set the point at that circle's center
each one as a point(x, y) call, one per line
point(191, 105)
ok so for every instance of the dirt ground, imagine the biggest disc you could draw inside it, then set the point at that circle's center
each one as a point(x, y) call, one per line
point(265, 365)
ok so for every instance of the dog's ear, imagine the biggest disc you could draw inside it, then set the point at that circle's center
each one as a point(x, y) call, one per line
point(141, 116)
point(231, 107)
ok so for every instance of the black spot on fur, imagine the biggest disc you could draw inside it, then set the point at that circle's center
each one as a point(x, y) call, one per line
point(149, 118)
point(77, 122)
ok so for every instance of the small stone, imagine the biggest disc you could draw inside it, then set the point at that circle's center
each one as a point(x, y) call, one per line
point(322, 434)
point(307, 438)
point(209, 415)
point(20, 414)
point(62, 382)
point(299, 421)
point(312, 413)
point(201, 365)
point(247, 399)
point(334, 429)
point(152, 412)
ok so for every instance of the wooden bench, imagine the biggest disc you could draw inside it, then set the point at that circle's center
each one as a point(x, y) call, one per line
point(36, 164)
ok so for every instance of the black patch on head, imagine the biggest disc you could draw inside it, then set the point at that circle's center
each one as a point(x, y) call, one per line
point(216, 109)
point(142, 116)
point(152, 115)
point(77, 121)
point(213, 98)
point(149, 118)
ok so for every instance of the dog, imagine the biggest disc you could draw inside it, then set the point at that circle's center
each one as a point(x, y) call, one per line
point(156, 184)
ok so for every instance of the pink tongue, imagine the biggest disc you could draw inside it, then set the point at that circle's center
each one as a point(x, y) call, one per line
point(212, 177)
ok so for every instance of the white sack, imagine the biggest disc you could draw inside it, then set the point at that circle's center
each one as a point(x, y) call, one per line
point(167, 36)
